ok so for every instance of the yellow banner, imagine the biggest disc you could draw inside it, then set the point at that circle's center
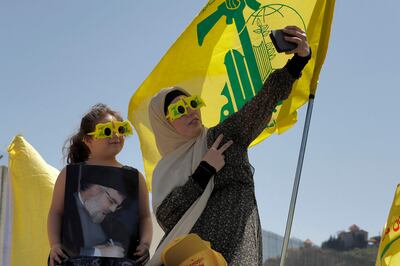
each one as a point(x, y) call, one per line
point(389, 248)
point(226, 54)
point(32, 182)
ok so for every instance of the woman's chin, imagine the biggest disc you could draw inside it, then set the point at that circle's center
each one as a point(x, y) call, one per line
point(196, 129)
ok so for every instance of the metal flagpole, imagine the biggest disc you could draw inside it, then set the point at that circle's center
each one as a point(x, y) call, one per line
point(322, 47)
point(297, 180)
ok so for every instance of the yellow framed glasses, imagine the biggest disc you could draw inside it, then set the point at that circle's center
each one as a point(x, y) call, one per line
point(106, 130)
point(180, 108)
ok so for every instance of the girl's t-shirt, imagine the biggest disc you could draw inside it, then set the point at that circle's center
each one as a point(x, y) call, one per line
point(100, 211)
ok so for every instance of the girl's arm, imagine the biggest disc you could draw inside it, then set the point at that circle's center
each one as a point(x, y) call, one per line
point(145, 223)
point(54, 219)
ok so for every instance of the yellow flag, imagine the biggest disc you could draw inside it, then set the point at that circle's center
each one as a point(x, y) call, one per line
point(226, 54)
point(32, 182)
point(389, 248)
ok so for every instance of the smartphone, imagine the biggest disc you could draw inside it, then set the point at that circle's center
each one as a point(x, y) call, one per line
point(281, 45)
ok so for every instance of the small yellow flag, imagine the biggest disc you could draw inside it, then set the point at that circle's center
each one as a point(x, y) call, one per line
point(226, 54)
point(389, 248)
point(32, 182)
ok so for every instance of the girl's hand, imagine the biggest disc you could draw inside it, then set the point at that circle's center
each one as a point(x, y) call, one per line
point(299, 37)
point(56, 254)
point(142, 254)
point(214, 156)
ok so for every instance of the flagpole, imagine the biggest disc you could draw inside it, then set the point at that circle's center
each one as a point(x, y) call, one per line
point(297, 180)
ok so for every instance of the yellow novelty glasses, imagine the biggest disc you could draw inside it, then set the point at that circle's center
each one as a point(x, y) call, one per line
point(105, 130)
point(180, 108)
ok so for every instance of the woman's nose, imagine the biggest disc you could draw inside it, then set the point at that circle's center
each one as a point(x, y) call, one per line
point(191, 111)
point(113, 207)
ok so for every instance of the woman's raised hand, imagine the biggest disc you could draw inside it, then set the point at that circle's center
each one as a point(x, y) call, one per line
point(299, 37)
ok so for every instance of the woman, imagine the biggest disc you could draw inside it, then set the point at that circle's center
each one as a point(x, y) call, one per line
point(202, 188)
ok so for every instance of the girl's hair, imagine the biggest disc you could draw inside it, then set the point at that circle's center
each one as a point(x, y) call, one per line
point(75, 150)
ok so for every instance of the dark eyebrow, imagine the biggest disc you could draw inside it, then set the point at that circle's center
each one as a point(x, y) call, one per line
point(113, 201)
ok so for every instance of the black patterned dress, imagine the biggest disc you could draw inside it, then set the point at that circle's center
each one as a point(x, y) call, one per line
point(230, 220)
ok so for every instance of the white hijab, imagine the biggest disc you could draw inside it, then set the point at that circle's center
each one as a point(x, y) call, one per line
point(180, 157)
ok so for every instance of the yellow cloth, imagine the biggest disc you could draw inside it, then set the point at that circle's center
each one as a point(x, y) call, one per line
point(389, 248)
point(191, 250)
point(225, 55)
point(32, 182)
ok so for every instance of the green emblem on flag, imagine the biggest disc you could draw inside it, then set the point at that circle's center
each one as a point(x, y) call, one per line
point(249, 68)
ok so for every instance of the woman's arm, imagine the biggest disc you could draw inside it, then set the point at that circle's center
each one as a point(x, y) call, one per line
point(54, 219)
point(174, 206)
point(247, 123)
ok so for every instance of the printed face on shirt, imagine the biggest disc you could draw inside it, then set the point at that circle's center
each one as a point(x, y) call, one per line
point(102, 201)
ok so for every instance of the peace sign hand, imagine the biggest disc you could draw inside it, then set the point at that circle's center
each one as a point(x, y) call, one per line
point(215, 156)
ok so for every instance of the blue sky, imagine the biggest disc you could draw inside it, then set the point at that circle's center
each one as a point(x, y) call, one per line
point(58, 58)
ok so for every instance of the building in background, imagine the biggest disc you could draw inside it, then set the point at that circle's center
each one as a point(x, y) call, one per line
point(354, 238)
point(272, 244)
point(348, 240)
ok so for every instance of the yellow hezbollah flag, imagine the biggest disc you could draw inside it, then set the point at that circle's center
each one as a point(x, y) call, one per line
point(389, 249)
point(32, 182)
point(226, 54)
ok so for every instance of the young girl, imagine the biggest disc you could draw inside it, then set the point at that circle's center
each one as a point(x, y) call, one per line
point(100, 211)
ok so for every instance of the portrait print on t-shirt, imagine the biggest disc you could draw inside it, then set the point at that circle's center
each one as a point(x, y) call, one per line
point(100, 211)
